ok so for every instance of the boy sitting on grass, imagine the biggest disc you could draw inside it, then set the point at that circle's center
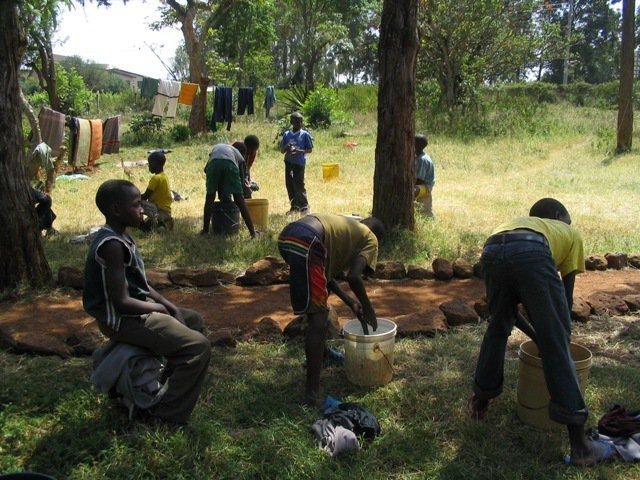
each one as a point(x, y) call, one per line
point(157, 198)
point(521, 260)
point(317, 249)
point(127, 309)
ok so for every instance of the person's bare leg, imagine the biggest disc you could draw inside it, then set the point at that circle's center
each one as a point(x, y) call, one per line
point(315, 340)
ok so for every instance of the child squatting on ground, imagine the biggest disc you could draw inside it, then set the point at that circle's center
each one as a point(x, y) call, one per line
point(295, 145)
point(318, 248)
point(223, 175)
point(157, 198)
point(521, 260)
point(128, 310)
point(425, 177)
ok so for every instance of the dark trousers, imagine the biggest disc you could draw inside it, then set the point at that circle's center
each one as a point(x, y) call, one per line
point(185, 348)
point(524, 272)
point(245, 100)
point(294, 180)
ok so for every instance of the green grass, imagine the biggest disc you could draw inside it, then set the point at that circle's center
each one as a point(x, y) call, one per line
point(481, 182)
point(249, 423)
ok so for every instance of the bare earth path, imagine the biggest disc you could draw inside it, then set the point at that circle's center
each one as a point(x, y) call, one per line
point(57, 316)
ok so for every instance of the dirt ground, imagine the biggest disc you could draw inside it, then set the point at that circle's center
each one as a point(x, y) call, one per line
point(59, 315)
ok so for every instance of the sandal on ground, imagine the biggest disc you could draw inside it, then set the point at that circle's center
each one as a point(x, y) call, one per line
point(604, 452)
point(476, 408)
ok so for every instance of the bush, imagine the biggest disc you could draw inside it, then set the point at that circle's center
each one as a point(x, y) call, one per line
point(145, 128)
point(74, 97)
point(321, 107)
point(180, 132)
point(358, 98)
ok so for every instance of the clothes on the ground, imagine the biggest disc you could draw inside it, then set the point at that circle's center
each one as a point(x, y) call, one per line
point(269, 99)
point(96, 140)
point(149, 87)
point(154, 217)
point(222, 170)
point(45, 214)
point(167, 98)
point(294, 182)
point(619, 422)
point(187, 93)
point(160, 191)
point(133, 372)
point(303, 250)
point(302, 140)
point(245, 100)
point(52, 125)
point(521, 268)
point(95, 297)
point(222, 107)
point(111, 135)
point(334, 439)
point(345, 238)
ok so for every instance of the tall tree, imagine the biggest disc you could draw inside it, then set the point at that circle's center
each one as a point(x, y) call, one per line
point(22, 259)
point(468, 42)
point(195, 36)
point(625, 97)
point(394, 175)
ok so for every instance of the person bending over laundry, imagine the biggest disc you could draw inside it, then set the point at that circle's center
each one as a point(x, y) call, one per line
point(521, 260)
point(318, 248)
point(425, 176)
point(127, 309)
point(157, 198)
point(295, 145)
point(224, 176)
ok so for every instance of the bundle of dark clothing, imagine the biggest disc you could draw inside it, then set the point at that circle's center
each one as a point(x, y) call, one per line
point(620, 428)
point(341, 427)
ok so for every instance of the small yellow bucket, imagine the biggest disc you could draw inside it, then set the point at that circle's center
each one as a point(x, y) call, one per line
point(330, 171)
point(259, 212)
point(533, 396)
point(421, 192)
point(368, 359)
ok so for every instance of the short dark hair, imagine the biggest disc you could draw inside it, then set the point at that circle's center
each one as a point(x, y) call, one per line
point(241, 147)
point(252, 142)
point(157, 157)
point(421, 142)
point(548, 208)
point(376, 226)
point(110, 193)
point(296, 115)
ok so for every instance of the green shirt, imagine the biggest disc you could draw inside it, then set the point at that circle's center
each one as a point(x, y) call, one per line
point(345, 239)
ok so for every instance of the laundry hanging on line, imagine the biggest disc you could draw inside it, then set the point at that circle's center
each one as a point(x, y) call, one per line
point(245, 100)
point(52, 125)
point(167, 98)
point(111, 135)
point(149, 87)
point(187, 93)
point(222, 107)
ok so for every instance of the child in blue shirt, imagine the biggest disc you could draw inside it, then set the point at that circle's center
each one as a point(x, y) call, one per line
point(425, 176)
point(295, 145)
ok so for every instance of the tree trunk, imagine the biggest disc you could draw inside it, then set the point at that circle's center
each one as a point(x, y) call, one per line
point(625, 96)
point(394, 175)
point(22, 259)
point(31, 116)
point(197, 117)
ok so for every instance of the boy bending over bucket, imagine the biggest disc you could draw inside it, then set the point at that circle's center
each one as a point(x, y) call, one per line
point(521, 260)
point(317, 249)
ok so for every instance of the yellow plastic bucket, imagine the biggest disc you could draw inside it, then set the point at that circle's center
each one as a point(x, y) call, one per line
point(533, 396)
point(259, 212)
point(368, 359)
point(422, 192)
point(330, 171)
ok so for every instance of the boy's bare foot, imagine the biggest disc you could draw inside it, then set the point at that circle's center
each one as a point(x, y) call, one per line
point(599, 452)
point(477, 408)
